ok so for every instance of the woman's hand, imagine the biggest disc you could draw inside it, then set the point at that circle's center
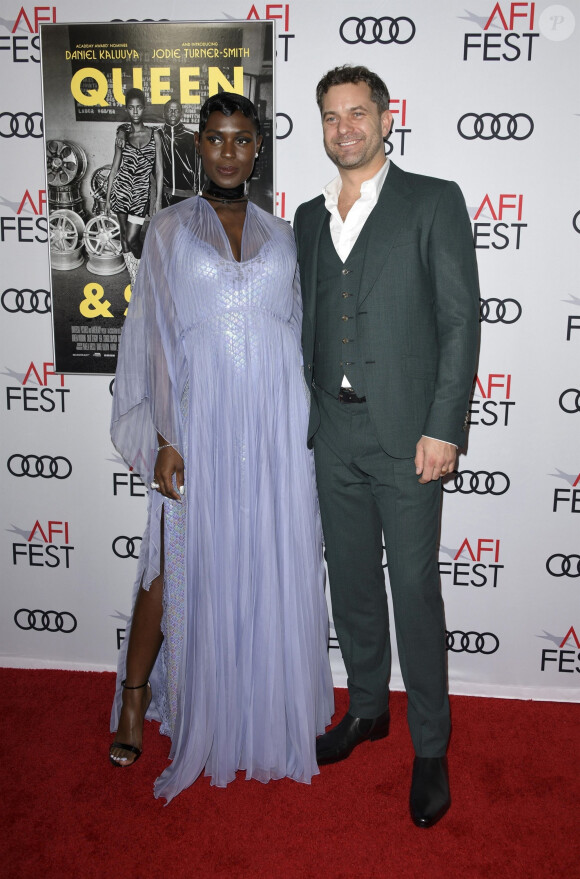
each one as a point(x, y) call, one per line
point(167, 463)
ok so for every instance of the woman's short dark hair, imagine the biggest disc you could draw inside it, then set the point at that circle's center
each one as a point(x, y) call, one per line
point(135, 93)
point(345, 75)
point(228, 103)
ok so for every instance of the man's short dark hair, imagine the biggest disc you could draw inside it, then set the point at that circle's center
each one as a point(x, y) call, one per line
point(228, 103)
point(345, 75)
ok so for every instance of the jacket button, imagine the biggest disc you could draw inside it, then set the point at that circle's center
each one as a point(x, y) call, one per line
point(344, 317)
point(346, 271)
point(344, 341)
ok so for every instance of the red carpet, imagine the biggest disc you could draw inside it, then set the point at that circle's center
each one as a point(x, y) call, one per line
point(67, 813)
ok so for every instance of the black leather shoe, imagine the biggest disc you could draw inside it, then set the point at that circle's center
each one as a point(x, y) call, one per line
point(351, 731)
point(430, 797)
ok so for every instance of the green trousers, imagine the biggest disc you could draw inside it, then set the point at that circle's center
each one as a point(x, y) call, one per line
point(365, 494)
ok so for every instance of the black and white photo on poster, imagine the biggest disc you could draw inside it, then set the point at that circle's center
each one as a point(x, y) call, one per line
point(121, 103)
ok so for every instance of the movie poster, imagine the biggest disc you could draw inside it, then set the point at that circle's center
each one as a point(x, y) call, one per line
point(121, 103)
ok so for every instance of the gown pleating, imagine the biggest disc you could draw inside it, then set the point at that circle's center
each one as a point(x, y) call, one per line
point(210, 358)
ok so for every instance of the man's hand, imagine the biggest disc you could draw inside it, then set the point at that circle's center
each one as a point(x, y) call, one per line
point(121, 137)
point(434, 459)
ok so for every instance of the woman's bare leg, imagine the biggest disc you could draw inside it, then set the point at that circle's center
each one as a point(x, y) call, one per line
point(133, 239)
point(145, 640)
point(122, 220)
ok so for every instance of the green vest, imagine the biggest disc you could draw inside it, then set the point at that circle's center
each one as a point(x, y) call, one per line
point(336, 351)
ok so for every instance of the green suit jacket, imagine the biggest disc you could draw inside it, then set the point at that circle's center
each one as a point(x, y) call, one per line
point(417, 312)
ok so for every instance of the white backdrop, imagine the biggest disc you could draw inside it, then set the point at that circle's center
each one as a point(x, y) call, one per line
point(485, 95)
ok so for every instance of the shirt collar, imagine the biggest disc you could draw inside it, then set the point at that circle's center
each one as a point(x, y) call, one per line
point(370, 189)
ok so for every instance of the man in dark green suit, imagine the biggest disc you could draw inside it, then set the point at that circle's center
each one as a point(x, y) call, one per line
point(390, 337)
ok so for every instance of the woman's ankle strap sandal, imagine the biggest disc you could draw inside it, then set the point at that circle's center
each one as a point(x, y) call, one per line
point(138, 687)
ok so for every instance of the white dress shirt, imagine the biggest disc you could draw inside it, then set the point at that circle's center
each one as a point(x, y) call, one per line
point(344, 233)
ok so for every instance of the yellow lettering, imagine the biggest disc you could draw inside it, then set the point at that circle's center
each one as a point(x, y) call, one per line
point(188, 85)
point(92, 97)
point(216, 79)
point(160, 85)
point(118, 92)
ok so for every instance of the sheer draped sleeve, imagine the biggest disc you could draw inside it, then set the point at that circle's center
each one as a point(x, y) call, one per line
point(296, 316)
point(151, 371)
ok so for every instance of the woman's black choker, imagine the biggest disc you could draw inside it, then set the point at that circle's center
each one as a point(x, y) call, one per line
point(225, 196)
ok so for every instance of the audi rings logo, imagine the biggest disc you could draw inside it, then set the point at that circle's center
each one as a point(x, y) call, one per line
point(21, 125)
point(126, 547)
point(559, 565)
point(45, 620)
point(25, 301)
point(570, 400)
point(472, 642)
point(383, 30)
point(479, 482)
point(39, 465)
point(487, 126)
point(499, 311)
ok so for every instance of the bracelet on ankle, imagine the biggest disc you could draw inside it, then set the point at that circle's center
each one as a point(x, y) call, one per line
point(166, 446)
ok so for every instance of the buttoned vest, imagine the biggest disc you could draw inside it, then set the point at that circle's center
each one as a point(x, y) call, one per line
point(336, 350)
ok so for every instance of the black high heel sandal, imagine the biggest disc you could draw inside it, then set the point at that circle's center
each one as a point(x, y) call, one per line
point(131, 748)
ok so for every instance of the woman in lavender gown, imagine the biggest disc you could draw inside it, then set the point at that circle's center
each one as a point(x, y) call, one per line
point(227, 645)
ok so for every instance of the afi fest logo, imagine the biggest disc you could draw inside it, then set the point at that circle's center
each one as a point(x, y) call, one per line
point(47, 545)
point(573, 322)
point(399, 109)
point(565, 657)
point(567, 498)
point(127, 483)
point(495, 404)
point(284, 128)
point(281, 205)
point(506, 33)
point(506, 210)
point(480, 565)
point(33, 393)
point(29, 225)
point(22, 45)
point(279, 12)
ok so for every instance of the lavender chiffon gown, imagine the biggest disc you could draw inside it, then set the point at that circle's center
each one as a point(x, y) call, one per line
point(210, 358)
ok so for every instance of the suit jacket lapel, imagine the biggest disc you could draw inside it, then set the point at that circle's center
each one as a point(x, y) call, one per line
point(386, 221)
point(309, 283)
